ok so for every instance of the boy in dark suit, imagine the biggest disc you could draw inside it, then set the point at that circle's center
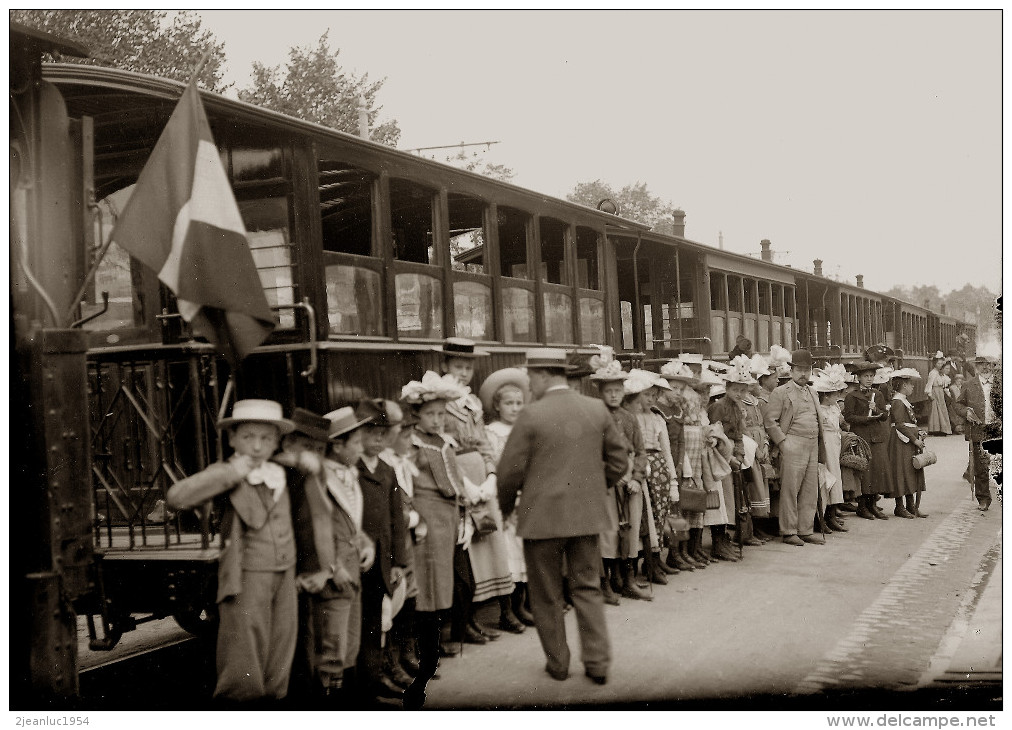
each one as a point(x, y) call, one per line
point(383, 521)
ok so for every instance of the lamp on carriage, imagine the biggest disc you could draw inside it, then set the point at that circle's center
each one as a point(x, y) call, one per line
point(608, 206)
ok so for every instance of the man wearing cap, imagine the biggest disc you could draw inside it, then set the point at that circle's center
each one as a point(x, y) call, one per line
point(563, 453)
point(977, 404)
point(257, 601)
point(793, 424)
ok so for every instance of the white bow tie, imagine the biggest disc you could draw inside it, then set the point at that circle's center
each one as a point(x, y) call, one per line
point(270, 475)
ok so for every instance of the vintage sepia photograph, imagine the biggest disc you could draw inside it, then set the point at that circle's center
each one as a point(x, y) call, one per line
point(481, 360)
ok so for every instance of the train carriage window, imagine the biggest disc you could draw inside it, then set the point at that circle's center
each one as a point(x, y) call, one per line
point(411, 207)
point(789, 304)
point(419, 306)
point(764, 298)
point(558, 317)
point(734, 294)
point(718, 296)
point(467, 233)
point(512, 225)
point(591, 321)
point(587, 258)
point(750, 296)
point(472, 309)
point(518, 309)
point(554, 267)
point(778, 300)
point(346, 207)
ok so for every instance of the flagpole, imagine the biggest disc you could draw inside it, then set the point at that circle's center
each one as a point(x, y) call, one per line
point(200, 66)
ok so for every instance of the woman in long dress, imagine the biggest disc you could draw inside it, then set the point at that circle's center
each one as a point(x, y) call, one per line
point(831, 385)
point(934, 387)
point(904, 442)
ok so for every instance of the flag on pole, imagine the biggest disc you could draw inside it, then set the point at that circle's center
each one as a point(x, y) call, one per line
point(183, 222)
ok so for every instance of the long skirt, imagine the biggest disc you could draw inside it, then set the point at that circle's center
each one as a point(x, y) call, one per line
point(906, 479)
point(490, 563)
point(515, 550)
point(659, 484)
point(434, 554)
point(877, 479)
point(608, 541)
point(721, 515)
point(938, 418)
point(834, 494)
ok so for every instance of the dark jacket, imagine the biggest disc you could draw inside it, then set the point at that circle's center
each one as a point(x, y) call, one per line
point(728, 413)
point(383, 518)
point(564, 452)
point(874, 430)
point(972, 396)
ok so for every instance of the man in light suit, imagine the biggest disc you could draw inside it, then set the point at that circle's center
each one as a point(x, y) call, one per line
point(793, 424)
point(563, 453)
point(976, 403)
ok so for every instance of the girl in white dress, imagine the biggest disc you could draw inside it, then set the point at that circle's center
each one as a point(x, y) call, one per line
point(934, 387)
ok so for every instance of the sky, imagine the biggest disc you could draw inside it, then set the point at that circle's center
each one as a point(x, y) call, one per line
point(871, 140)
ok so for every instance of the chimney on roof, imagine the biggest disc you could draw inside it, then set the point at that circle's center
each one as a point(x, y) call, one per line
point(860, 281)
point(767, 254)
point(679, 215)
point(818, 267)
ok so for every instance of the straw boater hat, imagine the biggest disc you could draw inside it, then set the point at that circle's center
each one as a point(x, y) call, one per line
point(715, 366)
point(433, 387)
point(310, 424)
point(610, 373)
point(905, 374)
point(547, 358)
point(832, 379)
point(691, 358)
point(460, 347)
point(738, 372)
point(717, 389)
point(344, 420)
point(677, 371)
point(500, 378)
point(706, 379)
point(257, 411)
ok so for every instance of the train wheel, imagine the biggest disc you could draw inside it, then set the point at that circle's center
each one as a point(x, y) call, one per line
point(198, 620)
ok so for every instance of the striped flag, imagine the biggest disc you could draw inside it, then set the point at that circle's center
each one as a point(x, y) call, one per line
point(182, 221)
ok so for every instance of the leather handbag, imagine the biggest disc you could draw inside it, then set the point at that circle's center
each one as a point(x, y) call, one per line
point(697, 500)
point(923, 459)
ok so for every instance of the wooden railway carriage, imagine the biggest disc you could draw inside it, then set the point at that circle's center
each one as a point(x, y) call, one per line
point(369, 256)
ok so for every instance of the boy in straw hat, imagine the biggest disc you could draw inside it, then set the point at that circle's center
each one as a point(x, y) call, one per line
point(792, 422)
point(257, 600)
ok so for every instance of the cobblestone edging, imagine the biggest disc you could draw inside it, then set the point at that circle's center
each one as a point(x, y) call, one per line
point(878, 651)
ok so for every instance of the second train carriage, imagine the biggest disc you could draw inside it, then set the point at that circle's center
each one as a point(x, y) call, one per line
point(371, 257)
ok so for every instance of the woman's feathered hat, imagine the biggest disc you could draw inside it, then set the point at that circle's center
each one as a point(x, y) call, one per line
point(606, 368)
point(637, 382)
point(883, 375)
point(433, 387)
point(738, 371)
point(831, 379)
point(677, 371)
point(759, 366)
point(780, 361)
point(906, 373)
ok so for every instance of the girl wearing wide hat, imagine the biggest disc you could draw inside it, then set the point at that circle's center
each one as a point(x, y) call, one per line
point(934, 387)
point(661, 487)
point(442, 505)
point(867, 411)
point(619, 555)
point(503, 395)
point(671, 407)
point(831, 384)
point(762, 468)
point(905, 440)
point(696, 441)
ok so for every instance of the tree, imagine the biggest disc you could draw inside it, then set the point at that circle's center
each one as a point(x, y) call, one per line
point(475, 162)
point(312, 86)
point(973, 303)
point(147, 41)
point(634, 202)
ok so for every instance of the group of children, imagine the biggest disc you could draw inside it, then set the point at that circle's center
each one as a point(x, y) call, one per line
point(385, 518)
point(357, 545)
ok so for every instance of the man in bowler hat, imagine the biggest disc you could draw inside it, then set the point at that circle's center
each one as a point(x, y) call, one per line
point(792, 422)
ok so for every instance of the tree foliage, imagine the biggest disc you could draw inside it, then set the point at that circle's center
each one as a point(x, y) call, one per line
point(147, 41)
point(314, 87)
point(476, 162)
point(634, 202)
